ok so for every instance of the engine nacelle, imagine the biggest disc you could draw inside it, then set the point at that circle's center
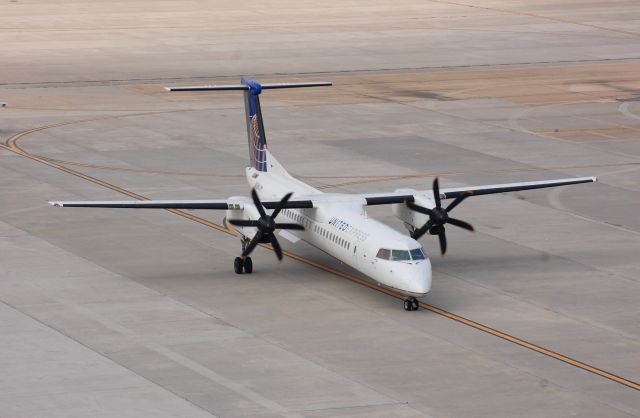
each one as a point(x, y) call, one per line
point(410, 218)
point(241, 207)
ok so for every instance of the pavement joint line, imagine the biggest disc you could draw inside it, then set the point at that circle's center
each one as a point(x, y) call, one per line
point(100, 353)
point(11, 145)
point(539, 16)
point(463, 67)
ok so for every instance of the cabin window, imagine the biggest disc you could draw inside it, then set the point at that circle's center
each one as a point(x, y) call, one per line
point(400, 255)
point(384, 253)
point(417, 254)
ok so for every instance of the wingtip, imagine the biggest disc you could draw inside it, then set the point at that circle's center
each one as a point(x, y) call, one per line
point(56, 204)
point(167, 88)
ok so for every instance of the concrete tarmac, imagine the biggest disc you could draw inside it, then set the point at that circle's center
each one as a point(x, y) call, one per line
point(135, 313)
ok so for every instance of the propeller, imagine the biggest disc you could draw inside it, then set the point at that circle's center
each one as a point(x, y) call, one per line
point(438, 217)
point(266, 225)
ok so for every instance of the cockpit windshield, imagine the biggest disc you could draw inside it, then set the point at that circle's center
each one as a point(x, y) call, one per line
point(400, 255)
point(417, 254)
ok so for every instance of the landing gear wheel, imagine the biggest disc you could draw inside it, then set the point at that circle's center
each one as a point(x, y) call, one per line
point(411, 304)
point(237, 265)
point(248, 265)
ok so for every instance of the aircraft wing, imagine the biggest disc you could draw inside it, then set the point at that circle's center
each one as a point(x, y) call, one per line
point(452, 193)
point(306, 202)
point(222, 204)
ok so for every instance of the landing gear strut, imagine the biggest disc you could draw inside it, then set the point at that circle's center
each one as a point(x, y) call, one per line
point(243, 263)
point(411, 304)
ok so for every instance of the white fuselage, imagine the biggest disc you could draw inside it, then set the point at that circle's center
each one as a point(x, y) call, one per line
point(342, 230)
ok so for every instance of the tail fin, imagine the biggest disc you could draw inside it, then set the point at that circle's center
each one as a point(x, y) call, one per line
point(255, 126)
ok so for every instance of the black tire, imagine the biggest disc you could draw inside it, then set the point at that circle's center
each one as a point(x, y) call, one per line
point(237, 265)
point(414, 304)
point(408, 305)
point(248, 265)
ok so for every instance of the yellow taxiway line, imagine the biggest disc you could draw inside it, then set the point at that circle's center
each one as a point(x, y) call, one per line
point(11, 145)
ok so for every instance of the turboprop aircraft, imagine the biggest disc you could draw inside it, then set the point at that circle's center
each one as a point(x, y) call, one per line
point(335, 223)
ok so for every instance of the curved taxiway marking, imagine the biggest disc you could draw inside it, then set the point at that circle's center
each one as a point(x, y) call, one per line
point(11, 145)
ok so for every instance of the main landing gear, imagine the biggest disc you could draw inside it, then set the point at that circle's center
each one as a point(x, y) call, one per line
point(411, 304)
point(241, 263)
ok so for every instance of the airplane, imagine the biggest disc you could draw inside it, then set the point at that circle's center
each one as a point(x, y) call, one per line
point(336, 223)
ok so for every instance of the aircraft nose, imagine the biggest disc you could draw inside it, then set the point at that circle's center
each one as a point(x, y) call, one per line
point(422, 278)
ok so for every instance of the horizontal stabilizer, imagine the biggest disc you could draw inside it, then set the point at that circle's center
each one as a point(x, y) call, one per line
point(246, 87)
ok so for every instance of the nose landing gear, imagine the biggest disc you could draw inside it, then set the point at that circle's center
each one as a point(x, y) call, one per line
point(411, 304)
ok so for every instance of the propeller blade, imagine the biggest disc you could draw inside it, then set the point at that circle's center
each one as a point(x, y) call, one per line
point(443, 241)
point(422, 230)
point(252, 244)
point(280, 206)
point(461, 224)
point(276, 247)
point(436, 192)
point(457, 201)
point(417, 208)
point(258, 203)
point(290, 226)
point(242, 222)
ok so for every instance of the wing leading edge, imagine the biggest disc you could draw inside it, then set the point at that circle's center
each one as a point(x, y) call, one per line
point(174, 204)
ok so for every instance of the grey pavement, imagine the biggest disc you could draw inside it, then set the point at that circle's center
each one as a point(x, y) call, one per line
point(138, 313)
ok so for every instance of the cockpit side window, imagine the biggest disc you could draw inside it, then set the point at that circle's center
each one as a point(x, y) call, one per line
point(417, 254)
point(400, 255)
point(384, 253)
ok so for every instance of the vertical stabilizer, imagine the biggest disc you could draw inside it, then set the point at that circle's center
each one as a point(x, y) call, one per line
point(255, 125)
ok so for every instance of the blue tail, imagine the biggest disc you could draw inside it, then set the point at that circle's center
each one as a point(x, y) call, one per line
point(255, 126)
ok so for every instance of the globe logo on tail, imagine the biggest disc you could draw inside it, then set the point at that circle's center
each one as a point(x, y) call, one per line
point(258, 151)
